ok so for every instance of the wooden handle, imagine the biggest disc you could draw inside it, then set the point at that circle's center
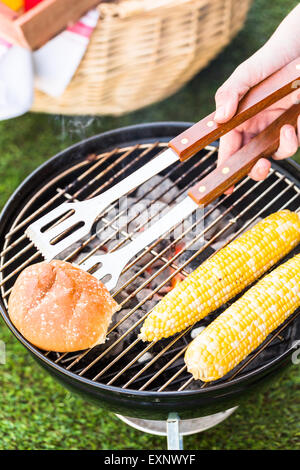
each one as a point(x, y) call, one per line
point(239, 165)
point(265, 93)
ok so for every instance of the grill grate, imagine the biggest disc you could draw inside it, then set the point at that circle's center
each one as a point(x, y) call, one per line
point(125, 361)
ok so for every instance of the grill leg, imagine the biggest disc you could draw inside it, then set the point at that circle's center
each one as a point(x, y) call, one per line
point(175, 441)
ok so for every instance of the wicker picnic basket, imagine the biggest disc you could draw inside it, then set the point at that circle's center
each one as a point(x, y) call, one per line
point(143, 51)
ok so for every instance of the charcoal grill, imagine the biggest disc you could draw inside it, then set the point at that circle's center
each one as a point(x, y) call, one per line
point(139, 380)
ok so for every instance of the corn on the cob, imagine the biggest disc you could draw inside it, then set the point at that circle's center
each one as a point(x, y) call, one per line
point(224, 275)
point(245, 324)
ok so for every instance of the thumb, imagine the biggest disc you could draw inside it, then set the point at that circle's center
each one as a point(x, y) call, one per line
point(246, 75)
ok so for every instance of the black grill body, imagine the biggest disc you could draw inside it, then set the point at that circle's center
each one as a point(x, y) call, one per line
point(143, 404)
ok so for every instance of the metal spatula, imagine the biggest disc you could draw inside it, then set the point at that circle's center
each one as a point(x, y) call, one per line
point(204, 192)
point(84, 213)
point(72, 221)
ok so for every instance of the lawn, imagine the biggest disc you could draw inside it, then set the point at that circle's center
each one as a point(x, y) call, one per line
point(38, 413)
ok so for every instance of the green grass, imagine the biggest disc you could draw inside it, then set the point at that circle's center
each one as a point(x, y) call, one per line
point(38, 413)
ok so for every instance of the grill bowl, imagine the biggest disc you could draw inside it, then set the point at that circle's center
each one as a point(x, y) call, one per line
point(189, 399)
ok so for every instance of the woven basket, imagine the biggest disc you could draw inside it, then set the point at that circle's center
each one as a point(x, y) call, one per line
point(145, 50)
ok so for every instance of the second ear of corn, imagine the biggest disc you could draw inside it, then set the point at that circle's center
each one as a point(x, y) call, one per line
point(245, 324)
point(224, 275)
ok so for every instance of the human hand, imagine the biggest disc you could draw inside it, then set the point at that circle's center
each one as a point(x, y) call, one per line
point(282, 48)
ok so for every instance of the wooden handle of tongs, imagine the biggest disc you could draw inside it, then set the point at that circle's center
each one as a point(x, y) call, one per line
point(238, 165)
point(261, 96)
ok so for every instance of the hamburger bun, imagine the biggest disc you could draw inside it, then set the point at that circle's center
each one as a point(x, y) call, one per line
point(59, 307)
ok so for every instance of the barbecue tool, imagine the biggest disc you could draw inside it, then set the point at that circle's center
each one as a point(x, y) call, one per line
point(77, 218)
point(203, 193)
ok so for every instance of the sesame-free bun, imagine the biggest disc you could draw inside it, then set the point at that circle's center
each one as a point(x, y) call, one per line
point(59, 307)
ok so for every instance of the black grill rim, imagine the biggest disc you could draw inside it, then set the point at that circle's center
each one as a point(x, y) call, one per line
point(141, 133)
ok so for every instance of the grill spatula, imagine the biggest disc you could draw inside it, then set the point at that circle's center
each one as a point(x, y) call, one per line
point(204, 192)
point(69, 222)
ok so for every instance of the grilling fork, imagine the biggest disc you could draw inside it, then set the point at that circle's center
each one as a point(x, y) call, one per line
point(63, 232)
point(203, 193)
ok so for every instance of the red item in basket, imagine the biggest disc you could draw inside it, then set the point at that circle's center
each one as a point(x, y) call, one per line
point(28, 4)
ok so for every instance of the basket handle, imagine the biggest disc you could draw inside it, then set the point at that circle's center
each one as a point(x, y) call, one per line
point(262, 95)
point(238, 165)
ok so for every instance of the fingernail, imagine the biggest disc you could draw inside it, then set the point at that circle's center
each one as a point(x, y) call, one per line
point(220, 113)
point(229, 191)
point(289, 133)
point(260, 171)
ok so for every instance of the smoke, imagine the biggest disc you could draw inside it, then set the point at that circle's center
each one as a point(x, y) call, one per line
point(73, 127)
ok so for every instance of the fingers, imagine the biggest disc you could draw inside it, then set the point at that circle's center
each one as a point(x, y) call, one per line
point(260, 65)
point(289, 141)
point(260, 170)
point(288, 146)
point(229, 144)
point(236, 86)
point(226, 104)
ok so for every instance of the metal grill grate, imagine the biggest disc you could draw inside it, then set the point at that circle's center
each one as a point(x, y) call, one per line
point(125, 361)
